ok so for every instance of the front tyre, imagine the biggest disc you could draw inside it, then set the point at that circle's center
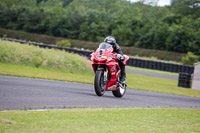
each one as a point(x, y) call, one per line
point(99, 83)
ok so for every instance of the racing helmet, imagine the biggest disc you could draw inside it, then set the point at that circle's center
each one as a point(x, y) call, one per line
point(111, 40)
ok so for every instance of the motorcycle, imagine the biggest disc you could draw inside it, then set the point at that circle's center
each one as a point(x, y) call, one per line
point(107, 71)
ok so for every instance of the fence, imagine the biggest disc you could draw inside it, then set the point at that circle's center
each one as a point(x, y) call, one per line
point(156, 65)
point(162, 66)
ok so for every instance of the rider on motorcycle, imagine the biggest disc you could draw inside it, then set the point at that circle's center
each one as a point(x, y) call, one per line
point(111, 40)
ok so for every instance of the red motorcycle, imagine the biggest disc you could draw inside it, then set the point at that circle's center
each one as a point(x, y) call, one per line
point(107, 71)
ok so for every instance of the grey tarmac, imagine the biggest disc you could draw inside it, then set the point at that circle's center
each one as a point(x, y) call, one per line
point(17, 93)
point(158, 75)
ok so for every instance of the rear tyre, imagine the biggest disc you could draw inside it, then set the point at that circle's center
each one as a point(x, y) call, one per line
point(121, 88)
point(120, 91)
point(99, 83)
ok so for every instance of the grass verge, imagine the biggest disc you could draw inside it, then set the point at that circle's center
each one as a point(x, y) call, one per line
point(147, 83)
point(103, 120)
point(43, 73)
point(15, 53)
point(135, 81)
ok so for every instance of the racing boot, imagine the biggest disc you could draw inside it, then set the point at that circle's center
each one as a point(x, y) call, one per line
point(123, 74)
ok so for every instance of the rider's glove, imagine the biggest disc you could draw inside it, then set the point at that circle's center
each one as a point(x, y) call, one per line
point(120, 57)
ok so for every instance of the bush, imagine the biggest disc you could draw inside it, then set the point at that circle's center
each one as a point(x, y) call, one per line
point(190, 59)
point(63, 43)
point(37, 61)
point(153, 58)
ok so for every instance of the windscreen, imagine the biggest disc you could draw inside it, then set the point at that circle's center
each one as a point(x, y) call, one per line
point(105, 46)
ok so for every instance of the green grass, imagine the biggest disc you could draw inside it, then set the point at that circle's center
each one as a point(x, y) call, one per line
point(15, 53)
point(44, 73)
point(154, 84)
point(149, 70)
point(103, 120)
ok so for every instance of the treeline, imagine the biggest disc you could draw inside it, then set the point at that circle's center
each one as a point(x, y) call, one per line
point(170, 28)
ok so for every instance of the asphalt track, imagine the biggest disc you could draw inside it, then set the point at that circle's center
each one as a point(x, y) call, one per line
point(158, 75)
point(31, 94)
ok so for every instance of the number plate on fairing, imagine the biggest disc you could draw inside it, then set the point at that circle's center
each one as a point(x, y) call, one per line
point(99, 56)
point(113, 68)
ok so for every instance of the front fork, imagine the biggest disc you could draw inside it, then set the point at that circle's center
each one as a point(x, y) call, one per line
point(105, 76)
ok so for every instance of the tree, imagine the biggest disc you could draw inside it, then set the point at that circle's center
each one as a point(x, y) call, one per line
point(190, 59)
point(172, 28)
point(186, 7)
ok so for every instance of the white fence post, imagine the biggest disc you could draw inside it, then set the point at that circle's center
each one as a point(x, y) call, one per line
point(196, 76)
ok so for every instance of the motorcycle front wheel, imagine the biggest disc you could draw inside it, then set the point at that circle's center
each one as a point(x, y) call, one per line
point(99, 83)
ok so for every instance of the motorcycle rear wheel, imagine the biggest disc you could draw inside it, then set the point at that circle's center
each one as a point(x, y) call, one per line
point(121, 89)
point(98, 83)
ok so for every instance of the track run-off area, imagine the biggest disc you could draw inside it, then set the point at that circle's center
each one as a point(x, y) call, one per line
point(18, 93)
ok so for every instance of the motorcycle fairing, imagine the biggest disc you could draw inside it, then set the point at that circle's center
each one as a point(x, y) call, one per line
point(100, 61)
